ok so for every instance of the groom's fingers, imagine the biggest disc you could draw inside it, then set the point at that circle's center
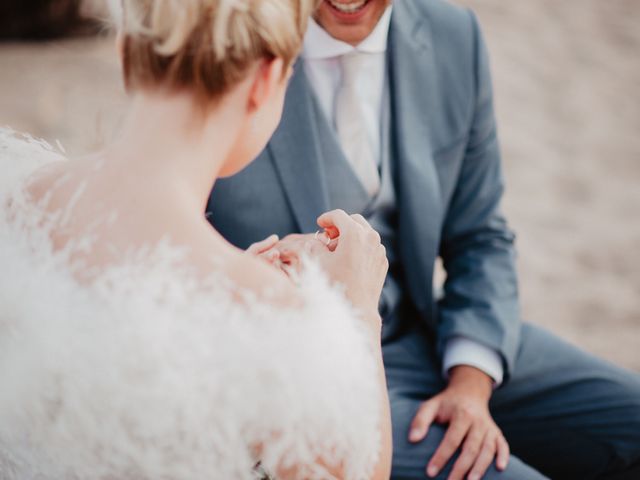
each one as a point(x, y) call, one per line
point(469, 454)
point(263, 245)
point(271, 256)
point(423, 419)
point(485, 458)
point(502, 459)
point(458, 428)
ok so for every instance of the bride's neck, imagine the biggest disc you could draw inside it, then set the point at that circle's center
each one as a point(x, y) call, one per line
point(169, 143)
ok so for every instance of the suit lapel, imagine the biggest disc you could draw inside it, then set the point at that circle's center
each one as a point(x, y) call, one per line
point(296, 154)
point(413, 86)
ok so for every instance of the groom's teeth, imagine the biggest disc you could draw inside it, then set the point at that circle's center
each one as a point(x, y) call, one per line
point(348, 7)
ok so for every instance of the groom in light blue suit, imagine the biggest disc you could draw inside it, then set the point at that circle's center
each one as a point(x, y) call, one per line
point(390, 114)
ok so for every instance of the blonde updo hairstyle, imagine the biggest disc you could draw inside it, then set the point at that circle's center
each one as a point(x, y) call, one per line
point(206, 46)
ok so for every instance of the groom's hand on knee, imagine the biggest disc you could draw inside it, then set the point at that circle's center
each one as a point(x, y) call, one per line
point(463, 405)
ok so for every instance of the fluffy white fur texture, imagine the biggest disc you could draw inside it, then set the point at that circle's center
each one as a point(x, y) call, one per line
point(148, 374)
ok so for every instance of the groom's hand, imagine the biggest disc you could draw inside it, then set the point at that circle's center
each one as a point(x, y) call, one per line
point(464, 406)
point(294, 246)
point(265, 249)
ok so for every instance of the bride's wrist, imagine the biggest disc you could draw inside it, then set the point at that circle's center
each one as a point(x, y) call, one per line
point(371, 316)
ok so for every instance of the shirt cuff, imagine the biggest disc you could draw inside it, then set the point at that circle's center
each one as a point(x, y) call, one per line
point(461, 350)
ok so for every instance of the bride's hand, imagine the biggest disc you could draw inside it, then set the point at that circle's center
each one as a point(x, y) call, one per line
point(265, 250)
point(359, 260)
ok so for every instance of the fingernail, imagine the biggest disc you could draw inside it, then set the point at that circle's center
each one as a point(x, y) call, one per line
point(414, 434)
point(432, 471)
point(474, 476)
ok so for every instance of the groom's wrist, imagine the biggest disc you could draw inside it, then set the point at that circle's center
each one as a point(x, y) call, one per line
point(461, 350)
point(472, 380)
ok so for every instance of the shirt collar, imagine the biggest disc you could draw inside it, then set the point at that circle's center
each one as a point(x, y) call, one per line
point(318, 44)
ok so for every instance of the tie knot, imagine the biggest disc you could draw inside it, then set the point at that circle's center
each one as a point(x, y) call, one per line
point(352, 66)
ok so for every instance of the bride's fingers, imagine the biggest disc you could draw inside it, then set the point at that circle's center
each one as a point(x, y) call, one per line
point(332, 232)
point(372, 232)
point(360, 220)
point(264, 245)
point(336, 220)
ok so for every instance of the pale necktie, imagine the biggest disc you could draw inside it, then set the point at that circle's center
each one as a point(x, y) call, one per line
point(351, 125)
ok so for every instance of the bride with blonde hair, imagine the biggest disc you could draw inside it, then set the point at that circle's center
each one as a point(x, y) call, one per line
point(135, 342)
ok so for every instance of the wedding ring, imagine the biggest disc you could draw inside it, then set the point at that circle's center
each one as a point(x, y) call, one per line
point(317, 237)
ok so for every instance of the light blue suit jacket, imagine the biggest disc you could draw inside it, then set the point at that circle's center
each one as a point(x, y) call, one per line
point(448, 177)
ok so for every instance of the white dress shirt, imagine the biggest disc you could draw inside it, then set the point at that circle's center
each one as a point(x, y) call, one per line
point(321, 54)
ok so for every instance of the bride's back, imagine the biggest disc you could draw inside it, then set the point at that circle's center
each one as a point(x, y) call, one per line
point(99, 219)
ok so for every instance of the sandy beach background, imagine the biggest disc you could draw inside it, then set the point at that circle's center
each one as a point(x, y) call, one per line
point(567, 81)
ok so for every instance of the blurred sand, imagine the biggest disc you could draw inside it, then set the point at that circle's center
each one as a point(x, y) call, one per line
point(567, 75)
point(567, 79)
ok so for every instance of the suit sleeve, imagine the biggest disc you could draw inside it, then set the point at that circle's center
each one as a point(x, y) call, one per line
point(480, 294)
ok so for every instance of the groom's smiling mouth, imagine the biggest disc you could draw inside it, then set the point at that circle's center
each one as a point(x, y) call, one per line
point(350, 21)
point(348, 10)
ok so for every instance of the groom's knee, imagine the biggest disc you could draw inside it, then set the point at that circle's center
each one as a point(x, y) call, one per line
point(516, 470)
point(410, 459)
point(610, 439)
point(624, 434)
point(413, 466)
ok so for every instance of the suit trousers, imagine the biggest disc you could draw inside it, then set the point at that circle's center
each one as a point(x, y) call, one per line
point(566, 414)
